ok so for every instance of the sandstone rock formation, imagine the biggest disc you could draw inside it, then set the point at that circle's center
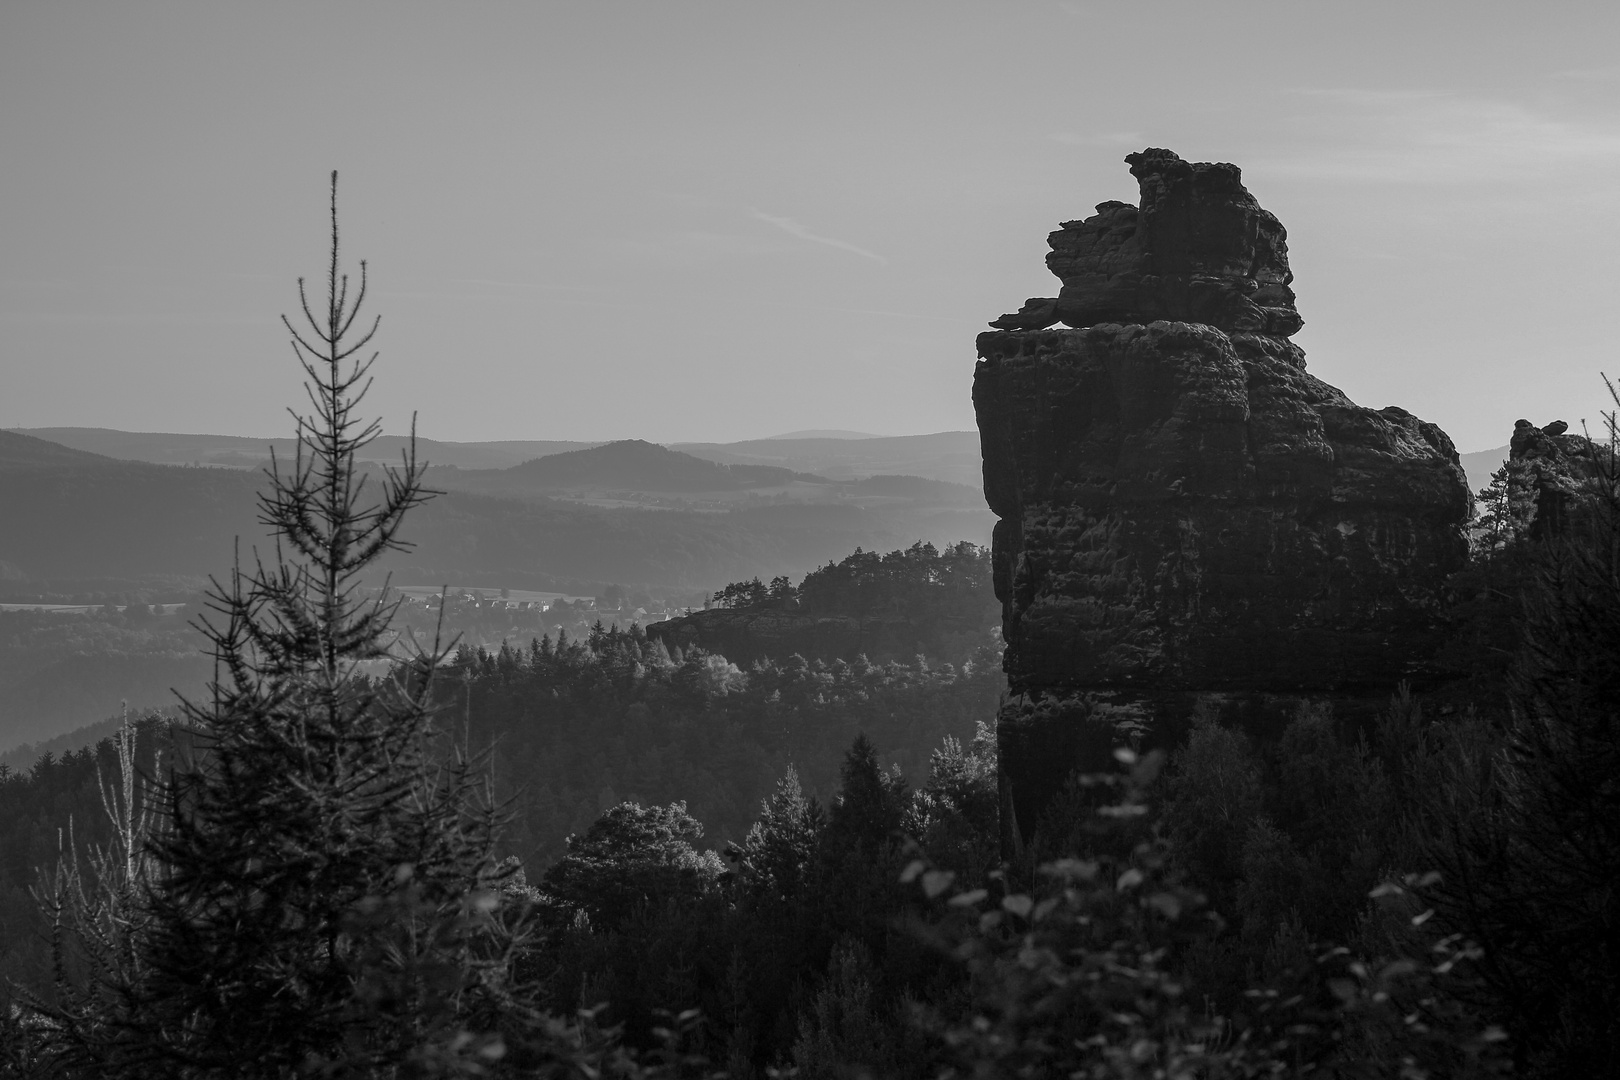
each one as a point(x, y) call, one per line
point(1549, 472)
point(1198, 249)
point(1184, 512)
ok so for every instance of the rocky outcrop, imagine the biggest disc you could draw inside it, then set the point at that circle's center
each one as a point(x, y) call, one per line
point(1550, 472)
point(1185, 512)
point(1198, 249)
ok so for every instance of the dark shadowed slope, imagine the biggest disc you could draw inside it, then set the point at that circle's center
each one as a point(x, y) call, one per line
point(917, 487)
point(59, 671)
point(77, 516)
point(18, 452)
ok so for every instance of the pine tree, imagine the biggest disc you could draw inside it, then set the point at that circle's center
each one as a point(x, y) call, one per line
point(779, 850)
point(1506, 507)
point(324, 898)
point(867, 814)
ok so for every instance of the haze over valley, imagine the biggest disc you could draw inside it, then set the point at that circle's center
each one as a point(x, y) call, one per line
point(97, 517)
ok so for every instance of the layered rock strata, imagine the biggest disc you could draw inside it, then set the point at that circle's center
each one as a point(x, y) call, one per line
point(1185, 513)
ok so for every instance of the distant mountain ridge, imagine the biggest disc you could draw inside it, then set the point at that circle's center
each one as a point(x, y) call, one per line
point(1480, 464)
point(243, 451)
point(75, 522)
point(637, 465)
point(951, 456)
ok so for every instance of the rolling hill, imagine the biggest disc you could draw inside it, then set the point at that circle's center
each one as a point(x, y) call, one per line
point(80, 527)
point(78, 523)
point(947, 455)
point(633, 465)
point(1480, 464)
point(19, 452)
point(844, 455)
point(239, 451)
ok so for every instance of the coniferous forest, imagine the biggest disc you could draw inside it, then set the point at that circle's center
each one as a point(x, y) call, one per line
point(367, 854)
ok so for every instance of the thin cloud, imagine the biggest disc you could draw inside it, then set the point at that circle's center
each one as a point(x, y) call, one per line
point(685, 250)
point(1419, 137)
point(868, 311)
point(500, 284)
point(793, 228)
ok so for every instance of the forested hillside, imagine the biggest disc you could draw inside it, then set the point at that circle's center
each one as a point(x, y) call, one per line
point(575, 727)
point(895, 606)
point(578, 727)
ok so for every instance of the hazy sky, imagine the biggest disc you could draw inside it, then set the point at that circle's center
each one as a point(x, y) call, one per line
point(680, 220)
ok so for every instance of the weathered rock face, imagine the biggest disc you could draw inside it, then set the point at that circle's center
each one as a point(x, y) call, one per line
point(1198, 249)
point(1184, 512)
point(1550, 470)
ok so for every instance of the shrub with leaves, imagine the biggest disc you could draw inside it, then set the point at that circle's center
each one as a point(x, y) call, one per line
point(1086, 974)
point(1078, 977)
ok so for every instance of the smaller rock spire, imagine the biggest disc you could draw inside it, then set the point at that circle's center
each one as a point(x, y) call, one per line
point(1198, 249)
